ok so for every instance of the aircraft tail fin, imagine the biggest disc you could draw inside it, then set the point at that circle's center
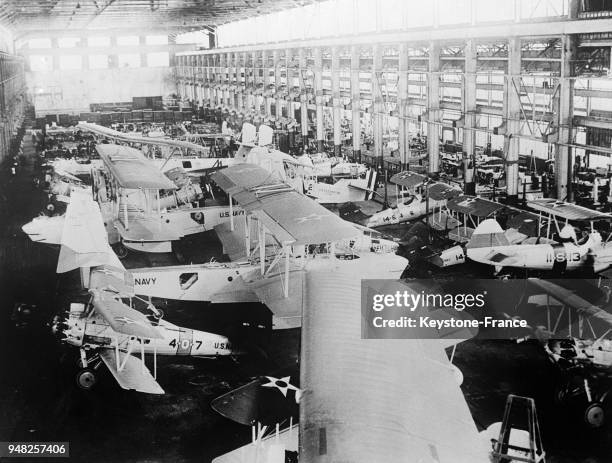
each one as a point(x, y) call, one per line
point(371, 185)
point(266, 134)
point(249, 133)
point(488, 233)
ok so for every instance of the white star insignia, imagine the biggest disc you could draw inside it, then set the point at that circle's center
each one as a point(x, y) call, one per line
point(283, 385)
point(310, 217)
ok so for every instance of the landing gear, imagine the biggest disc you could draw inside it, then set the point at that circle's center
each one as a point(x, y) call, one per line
point(594, 415)
point(121, 251)
point(582, 391)
point(86, 379)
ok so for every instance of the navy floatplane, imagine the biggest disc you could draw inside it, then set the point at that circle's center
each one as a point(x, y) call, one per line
point(292, 235)
point(142, 208)
point(107, 329)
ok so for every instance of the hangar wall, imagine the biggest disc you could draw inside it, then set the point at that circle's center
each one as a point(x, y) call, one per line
point(12, 95)
point(67, 72)
point(71, 92)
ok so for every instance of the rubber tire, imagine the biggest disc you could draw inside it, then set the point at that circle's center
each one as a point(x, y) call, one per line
point(86, 379)
point(594, 415)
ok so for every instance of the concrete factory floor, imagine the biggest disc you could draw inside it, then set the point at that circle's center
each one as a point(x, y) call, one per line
point(40, 400)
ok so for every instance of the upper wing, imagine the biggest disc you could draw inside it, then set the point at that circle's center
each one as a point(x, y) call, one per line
point(133, 374)
point(566, 211)
point(132, 169)
point(84, 241)
point(289, 216)
point(408, 179)
point(472, 205)
point(122, 318)
point(442, 191)
point(105, 131)
point(572, 300)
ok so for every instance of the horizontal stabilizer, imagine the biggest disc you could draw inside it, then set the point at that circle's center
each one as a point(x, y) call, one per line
point(133, 374)
point(84, 241)
point(266, 400)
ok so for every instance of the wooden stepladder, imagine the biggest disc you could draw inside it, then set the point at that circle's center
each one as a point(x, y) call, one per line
point(525, 443)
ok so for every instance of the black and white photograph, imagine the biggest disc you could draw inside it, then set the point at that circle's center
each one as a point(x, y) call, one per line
point(314, 231)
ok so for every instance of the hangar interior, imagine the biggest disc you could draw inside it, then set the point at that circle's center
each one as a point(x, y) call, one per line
point(250, 169)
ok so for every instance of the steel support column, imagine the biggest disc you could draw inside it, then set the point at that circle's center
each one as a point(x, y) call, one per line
point(278, 66)
point(303, 63)
point(433, 108)
point(268, 81)
point(402, 106)
point(356, 101)
point(469, 110)
point(335, 82)
point(565, 109)
point(378, 104)
point(318, 85)
point(513, 116)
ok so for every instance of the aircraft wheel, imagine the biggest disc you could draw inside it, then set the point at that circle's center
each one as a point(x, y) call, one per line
point(86, 379)
point(121, 251)
point(594, 415)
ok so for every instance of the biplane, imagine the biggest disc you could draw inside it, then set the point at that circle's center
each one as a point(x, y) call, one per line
point(143, 209)
point(106, 329)
point(168, 147)
point(300, 173)
point(559, 251)
point(356, 405)
point(410, 204)
point(292, 235)
point(576, 335)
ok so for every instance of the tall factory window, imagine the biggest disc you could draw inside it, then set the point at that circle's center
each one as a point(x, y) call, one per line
point(98, 41)
point(70, 62)
point(127, 40)
point(40, 63)
point(98, 61)
point(68, 42)
point(156, 39)
point(39, 43)
point(159, 59)
point(128, 60)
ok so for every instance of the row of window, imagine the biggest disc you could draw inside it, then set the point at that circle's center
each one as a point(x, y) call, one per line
point(345, 17)
point(98, 41)
point(44, 63)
